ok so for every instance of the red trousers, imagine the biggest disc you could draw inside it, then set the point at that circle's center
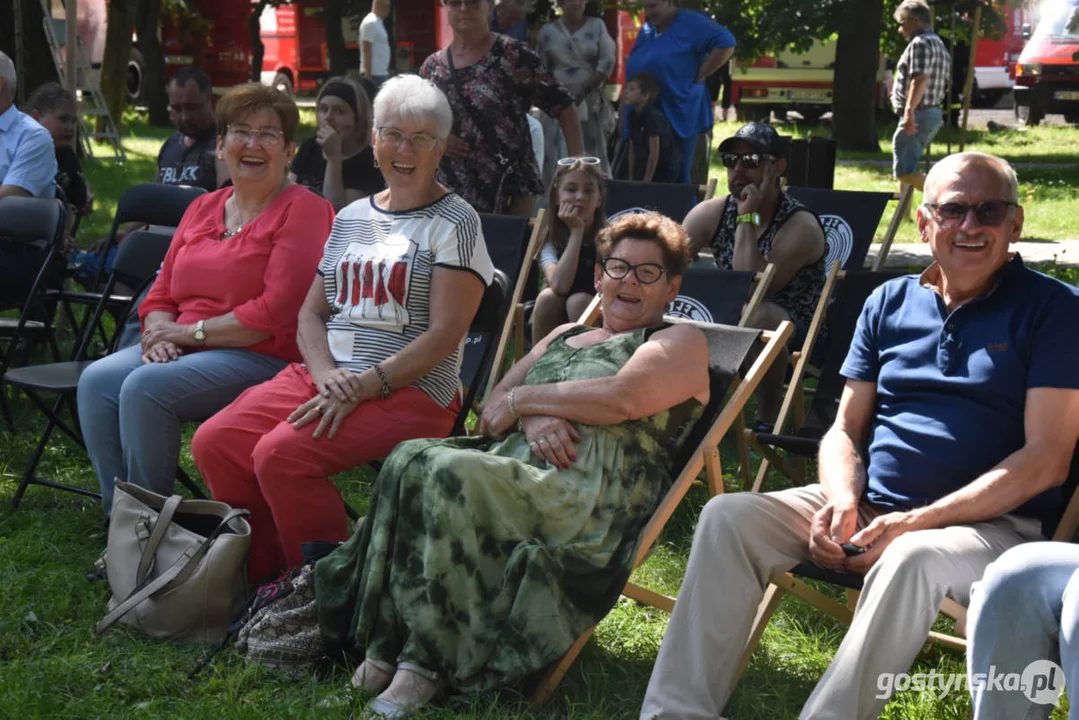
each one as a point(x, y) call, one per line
point(251, 458)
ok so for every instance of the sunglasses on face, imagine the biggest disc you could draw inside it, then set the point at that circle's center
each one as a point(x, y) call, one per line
point(646, 273)
point(990, 213)
point(420, 142)
point(750, 161)
point(586, 160)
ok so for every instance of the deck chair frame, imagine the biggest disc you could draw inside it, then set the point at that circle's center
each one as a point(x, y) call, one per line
point(904, 199)
point(704, 457)
point(515, 321)
point(788, 582)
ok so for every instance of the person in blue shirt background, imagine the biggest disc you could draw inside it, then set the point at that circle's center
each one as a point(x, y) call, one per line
point(681, 47)
point(510, 17)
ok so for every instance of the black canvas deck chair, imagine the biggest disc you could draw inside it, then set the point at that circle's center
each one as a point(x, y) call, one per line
point(674, 200)
point(729, 350)
point(850, 219)
point(135, 265)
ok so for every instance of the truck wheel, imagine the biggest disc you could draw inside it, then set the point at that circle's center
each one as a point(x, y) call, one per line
point(753, 113)
point(1071, 119)
point(133, 83)
point(1029, 115)
point(811, 116)
point(283, 82)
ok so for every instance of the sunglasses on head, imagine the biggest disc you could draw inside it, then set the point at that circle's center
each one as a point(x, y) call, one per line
point(585, 160)
point(990, 213)
point(750, 161)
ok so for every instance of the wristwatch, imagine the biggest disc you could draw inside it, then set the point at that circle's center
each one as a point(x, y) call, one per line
point(200, 332)
point(753, 219)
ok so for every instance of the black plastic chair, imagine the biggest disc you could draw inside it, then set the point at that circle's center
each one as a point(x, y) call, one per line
point(850, 219)
point(851, 293)
point(149, 203)
point(136, 265)
point(31, 235)
point(674, 200)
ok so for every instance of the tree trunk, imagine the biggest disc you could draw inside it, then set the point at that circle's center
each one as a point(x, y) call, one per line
point(258, 50)
point(154, 93)
point(854, 124)
point(121, 20)
point(335, 39)
point(36, 66)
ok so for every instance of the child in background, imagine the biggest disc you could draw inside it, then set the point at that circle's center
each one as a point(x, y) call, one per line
point(568, 257)
point(653, 155)
point(55, 108)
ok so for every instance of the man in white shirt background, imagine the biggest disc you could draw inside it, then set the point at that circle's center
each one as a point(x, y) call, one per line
point(375, 44)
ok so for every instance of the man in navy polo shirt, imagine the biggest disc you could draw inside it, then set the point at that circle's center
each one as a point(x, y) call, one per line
point(953, 435)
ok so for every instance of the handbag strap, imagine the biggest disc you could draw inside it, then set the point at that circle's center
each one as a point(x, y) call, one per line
point(189, 559)
point(164, 519)
point(478, 118)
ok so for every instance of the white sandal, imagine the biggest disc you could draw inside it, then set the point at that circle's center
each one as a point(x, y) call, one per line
point(373, 675)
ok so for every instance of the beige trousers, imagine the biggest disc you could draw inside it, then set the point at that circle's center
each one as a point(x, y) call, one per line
point(742, 538)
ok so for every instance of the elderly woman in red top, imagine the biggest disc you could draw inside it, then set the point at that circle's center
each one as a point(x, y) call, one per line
point(221, 315)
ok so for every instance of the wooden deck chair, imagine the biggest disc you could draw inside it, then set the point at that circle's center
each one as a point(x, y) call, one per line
point(674, 200)
point(513, 248)
point(793, 582)
point(842, 314)
point(711, 295)
point(904, 199)
point(850, 219)
point(729, 348)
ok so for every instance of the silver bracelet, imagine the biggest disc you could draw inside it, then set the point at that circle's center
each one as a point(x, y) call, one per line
point(386, 388)
point(513, 405)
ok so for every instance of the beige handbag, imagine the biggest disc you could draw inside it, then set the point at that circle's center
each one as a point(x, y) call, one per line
point(177, 568)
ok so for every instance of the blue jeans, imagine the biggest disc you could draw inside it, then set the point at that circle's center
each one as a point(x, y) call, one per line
point(907, 149)
point(1025, 608)
point(131, 413)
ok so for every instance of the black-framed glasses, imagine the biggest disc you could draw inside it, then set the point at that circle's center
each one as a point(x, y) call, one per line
point(990, 213)
point(750, 161)
point(266, 136)
point(646, 273)
point(584, 160)
point(420, 141)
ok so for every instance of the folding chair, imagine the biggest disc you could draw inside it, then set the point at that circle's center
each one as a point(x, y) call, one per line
point(513, 250)
point(31, 235)
point(842, 314)
point(477, 358)
point(135, 264)
point(1062, 530)
point(150, 203)
point(850, 219)
point(729, 348)
point(674, 200)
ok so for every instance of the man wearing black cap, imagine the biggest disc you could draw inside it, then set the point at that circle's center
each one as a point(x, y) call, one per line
point(757, 224)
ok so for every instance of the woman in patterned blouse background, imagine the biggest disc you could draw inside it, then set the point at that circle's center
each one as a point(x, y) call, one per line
point(581, 54)
point(492, 81)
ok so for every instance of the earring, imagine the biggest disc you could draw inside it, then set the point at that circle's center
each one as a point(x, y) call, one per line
point(376, 162)
point(220, 156)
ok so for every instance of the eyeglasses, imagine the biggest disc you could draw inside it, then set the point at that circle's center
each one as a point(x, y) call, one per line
point(461, 4)
point(646, 273)
point(584, 160)
point(266, 136)
point(990, 213)
point(420, 142)
point(750, 161)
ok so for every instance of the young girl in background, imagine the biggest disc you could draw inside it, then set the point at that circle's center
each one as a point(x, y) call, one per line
point(568, 257)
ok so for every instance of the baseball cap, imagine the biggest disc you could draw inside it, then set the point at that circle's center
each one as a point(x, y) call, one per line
point(761, 137)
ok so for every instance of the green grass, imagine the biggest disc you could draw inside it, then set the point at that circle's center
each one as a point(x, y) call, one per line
point(52, 664)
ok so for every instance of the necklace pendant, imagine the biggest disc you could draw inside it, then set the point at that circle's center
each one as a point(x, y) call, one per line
point(231, 233)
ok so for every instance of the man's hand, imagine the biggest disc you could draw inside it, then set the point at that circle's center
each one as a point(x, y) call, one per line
point(552, 439)
point(456, 147)
point(752, 196)
point(329, 412)
point(832, 525)
point(341, 384)
point(876, 537)
point(909, 127)
point(330, 140)
point(161, 352)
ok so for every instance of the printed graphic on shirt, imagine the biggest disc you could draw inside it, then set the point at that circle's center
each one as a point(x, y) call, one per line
point(373, 280)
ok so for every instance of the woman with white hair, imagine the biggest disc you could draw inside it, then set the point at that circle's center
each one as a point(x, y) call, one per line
point(380, 332)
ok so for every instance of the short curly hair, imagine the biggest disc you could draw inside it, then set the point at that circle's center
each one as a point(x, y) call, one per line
point(248, 98)
point(651, 227)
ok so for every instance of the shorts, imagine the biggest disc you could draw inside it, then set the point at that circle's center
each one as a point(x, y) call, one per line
point(907, 149)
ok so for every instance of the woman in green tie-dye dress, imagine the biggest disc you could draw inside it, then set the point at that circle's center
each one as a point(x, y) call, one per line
point(481, 561)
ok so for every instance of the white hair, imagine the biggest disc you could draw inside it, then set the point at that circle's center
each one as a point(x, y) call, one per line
point(410, 97)
point(957, 162)
point(7, 72)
